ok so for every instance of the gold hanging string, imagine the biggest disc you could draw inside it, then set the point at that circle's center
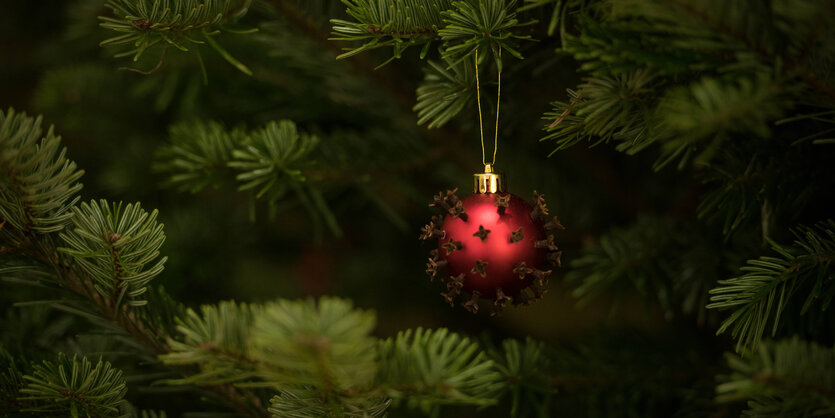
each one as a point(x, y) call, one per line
point(498, 103)
point(480, 121)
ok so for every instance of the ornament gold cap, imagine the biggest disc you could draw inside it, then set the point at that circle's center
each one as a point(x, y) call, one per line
point(489, 181)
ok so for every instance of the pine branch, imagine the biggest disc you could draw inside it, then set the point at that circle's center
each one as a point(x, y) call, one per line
point(147, 329)
point(736, 50)
point(314, 352)
point(658, 259)
point(396, 23)
point(217, 341)
point(752, 38)
point(463, 26)
point(485, 25)
point(113, 246)
point(11, 382)
point(689, 122)
point(198, 155)
point(325, 344)
point(444, 92)
point(100, 269)
point(304, 403)
point(38, 184)
point(318, 354)
point(393, 82)
point(304, 343)
point(748, 181)
point(738, 186)
point(426, 368)
point(802, 271)
point(76, 388)
point(524, 367)
point(619, 37)
point(604, 109)
point(267, 162)
point(783, 378)
point(145, 23)
point(712, 108)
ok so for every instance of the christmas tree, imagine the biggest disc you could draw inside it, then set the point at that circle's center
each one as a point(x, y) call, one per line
point(212, 207)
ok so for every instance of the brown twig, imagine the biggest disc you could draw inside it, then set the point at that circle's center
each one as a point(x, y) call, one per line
point(152, 70)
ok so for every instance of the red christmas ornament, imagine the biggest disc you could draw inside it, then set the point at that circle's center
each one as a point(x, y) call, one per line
point(492, 244)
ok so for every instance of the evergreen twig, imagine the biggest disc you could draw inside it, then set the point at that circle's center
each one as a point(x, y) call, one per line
point(803, 271)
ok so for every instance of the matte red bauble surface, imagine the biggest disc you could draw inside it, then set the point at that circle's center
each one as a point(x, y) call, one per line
point(495, 245)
